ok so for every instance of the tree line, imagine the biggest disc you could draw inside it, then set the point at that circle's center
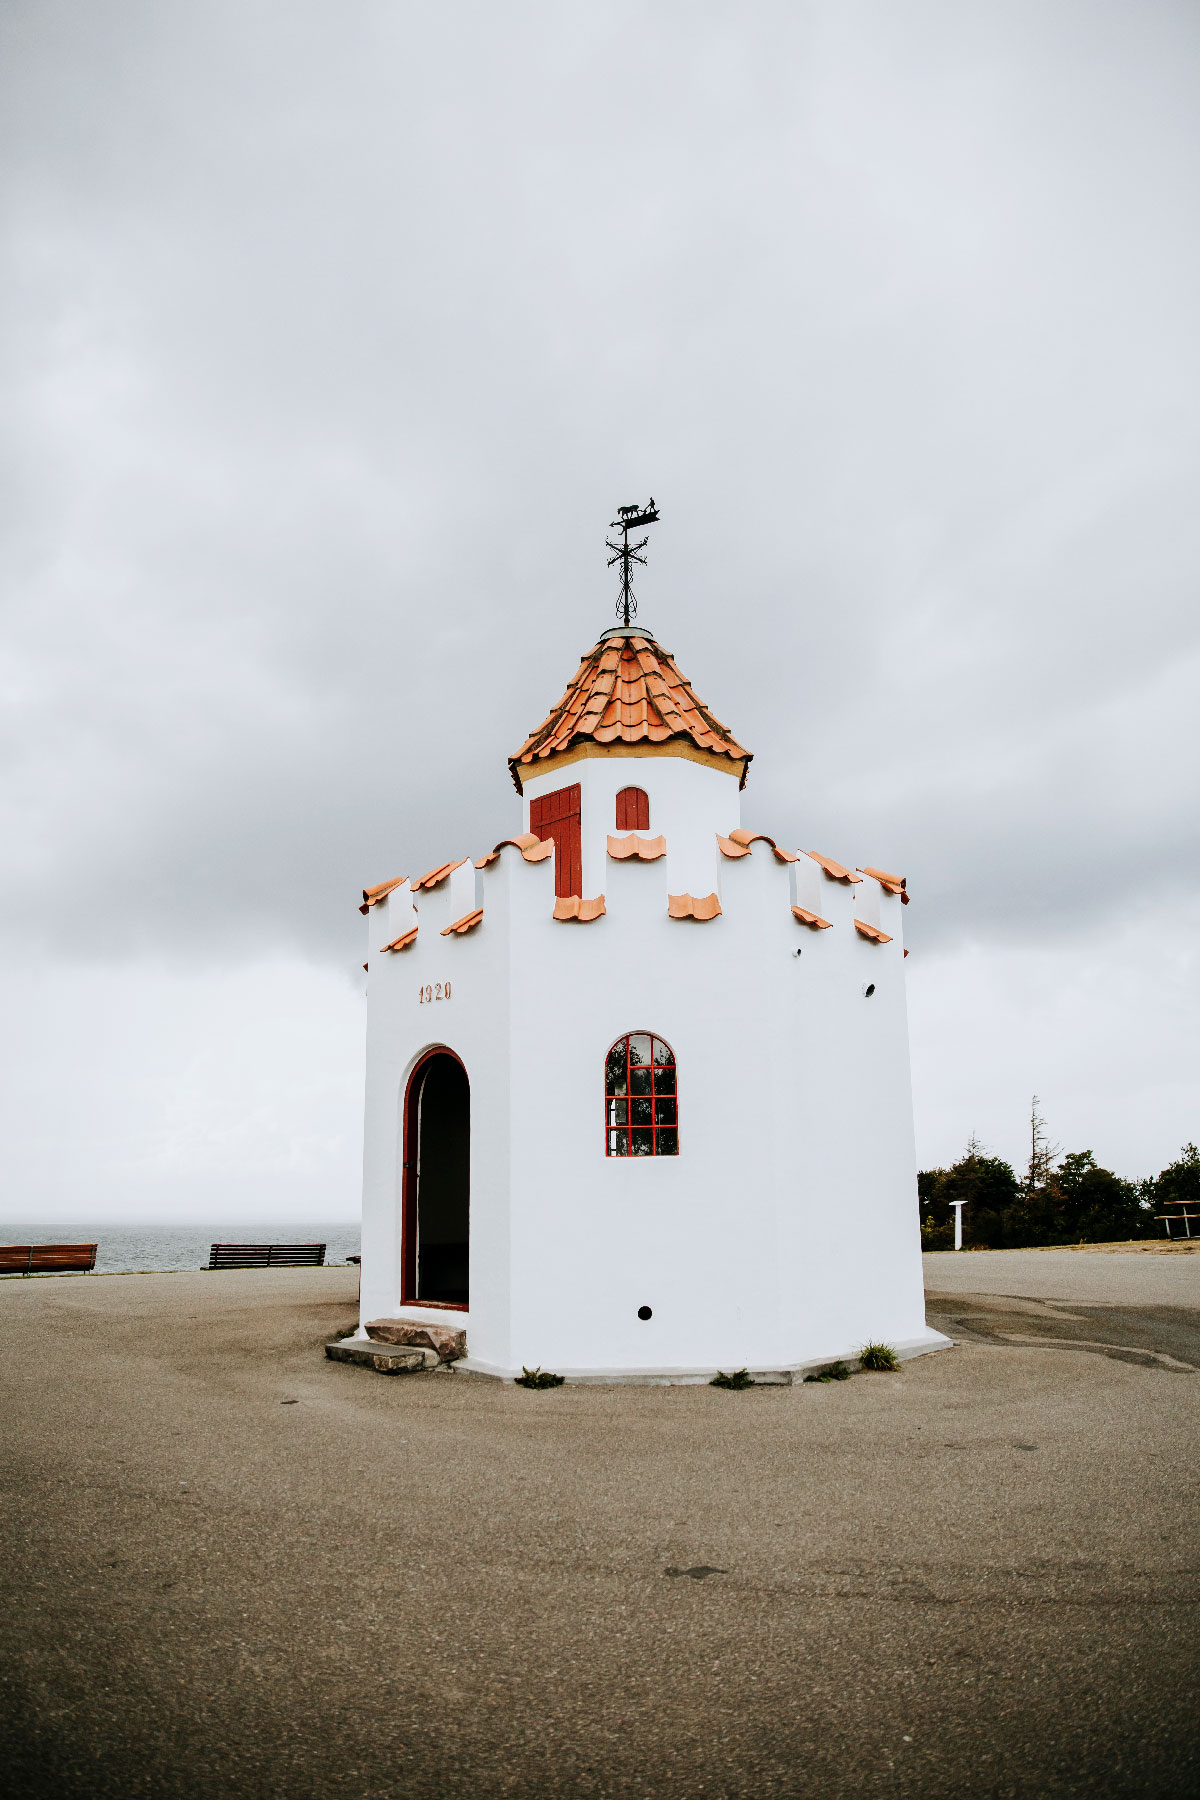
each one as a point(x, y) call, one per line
point(1060, 1199)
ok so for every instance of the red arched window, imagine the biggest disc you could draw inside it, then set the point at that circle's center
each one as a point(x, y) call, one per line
point(633, 810)
point(641, 1106)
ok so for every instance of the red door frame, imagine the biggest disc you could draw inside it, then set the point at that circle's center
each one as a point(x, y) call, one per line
point(408, 1192)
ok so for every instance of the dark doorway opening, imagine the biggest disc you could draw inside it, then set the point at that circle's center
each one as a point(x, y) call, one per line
point(437, 1183)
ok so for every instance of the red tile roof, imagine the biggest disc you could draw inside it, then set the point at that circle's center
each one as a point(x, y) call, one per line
point(644, 849)
point(629, 691)
point(570, 906)
point(691, 906)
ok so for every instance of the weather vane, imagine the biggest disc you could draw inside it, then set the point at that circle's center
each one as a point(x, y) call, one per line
point(630, 518)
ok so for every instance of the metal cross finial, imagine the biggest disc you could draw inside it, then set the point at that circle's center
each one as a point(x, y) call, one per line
point(630, 518)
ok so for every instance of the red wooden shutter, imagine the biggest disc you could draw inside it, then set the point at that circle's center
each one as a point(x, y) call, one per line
point(557, 816)
point(633, 809)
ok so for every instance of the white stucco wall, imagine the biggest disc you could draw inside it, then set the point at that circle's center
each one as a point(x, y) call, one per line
point(786, 1230)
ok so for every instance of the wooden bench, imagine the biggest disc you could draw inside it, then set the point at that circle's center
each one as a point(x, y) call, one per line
point(267, 1256)
point(1177, 1213)
point(46, 1259)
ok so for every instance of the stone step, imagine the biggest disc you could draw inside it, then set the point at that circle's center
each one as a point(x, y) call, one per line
point(449, 1341)
point(388, 1359)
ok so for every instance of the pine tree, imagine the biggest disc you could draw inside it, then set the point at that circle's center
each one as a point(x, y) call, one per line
point(1042, 1153)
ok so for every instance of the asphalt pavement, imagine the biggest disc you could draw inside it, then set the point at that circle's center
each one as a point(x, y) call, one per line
point(232, 1568)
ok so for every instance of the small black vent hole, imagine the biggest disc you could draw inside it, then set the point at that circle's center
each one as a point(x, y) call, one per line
point(644, 1312)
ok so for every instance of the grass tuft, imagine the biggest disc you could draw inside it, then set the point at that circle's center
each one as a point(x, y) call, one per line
point(538, 1378)
point(741, 1378)
point(880, 1357)
point(835, 1372)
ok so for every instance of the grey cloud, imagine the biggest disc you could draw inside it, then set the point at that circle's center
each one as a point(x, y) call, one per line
point(335, 336)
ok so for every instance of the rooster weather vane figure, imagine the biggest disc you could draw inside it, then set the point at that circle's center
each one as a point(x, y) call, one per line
point(630, 518)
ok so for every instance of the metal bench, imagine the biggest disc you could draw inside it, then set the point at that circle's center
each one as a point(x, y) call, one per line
point(46, 1259)
point(267, 1256)
point(1177, 1213)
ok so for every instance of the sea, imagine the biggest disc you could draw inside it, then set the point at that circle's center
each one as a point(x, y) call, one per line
point(129, 1249)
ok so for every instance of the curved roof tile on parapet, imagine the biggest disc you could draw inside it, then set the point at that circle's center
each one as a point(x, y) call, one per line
point(644, 849)
point(836, 871)
point(701, 907)
point(740, 843)
point(891, 884)
point(372, 896)
point(468, 922)
point(405, 941)
point(811, 919)
point(628, 691)
point(871, 931)
point(583, 912)
point(533, 849)
point(434, 877)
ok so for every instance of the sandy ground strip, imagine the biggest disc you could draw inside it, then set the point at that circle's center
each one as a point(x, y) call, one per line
point(232, 1568)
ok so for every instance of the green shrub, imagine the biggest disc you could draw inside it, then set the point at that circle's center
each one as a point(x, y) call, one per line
point(835, 1372)
point(880, 1357)
point(741, 1378)
point(538, 1378)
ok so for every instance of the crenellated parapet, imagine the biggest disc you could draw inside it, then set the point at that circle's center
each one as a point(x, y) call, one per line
point(818, 893)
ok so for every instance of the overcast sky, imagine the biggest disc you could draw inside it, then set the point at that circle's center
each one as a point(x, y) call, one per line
point(332, 336)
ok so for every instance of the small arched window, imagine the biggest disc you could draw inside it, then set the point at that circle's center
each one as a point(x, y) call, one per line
point(641, 1104)
point(633, 809)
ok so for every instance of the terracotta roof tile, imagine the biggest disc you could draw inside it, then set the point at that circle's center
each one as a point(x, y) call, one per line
point(691, 906)
point(435, 877)
point(643, 849)
point(627, 690)
point(570, 906)
point(372, 896)
point(811, 918)
point(894, 884)
point(468, 922)
point(747, 838)
point(404, 942)
point(729, 848)
point(532, 848)
point(835, 870)
point(871, 931)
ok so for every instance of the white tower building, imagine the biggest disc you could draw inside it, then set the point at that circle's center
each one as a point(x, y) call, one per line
point(638, 1096)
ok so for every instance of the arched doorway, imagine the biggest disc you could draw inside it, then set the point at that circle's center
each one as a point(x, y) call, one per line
point(437, 1183)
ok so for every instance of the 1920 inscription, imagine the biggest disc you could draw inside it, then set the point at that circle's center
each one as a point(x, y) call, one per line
point(437, 990)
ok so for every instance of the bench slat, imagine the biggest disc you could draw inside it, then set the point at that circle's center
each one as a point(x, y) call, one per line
point(266, 1256)
point(41, 1259)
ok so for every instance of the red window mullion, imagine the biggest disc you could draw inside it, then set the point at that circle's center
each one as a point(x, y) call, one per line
point(653, 1128)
